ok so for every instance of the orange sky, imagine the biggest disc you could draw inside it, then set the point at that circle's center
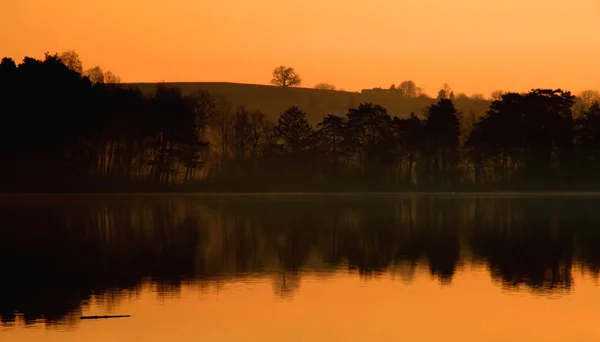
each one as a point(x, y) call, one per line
point(474, 45)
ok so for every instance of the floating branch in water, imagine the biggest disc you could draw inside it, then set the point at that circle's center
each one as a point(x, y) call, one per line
point(100, 317)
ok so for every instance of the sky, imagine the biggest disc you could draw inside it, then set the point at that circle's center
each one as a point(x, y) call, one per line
point(476, 46)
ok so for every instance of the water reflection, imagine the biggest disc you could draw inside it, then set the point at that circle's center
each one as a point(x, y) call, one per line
point(59, 253)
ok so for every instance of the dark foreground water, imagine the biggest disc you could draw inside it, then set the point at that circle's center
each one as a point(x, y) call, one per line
point(300, 268)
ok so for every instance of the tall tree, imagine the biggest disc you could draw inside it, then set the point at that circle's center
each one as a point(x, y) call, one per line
point(590, 138)
point(369, 135)
point(294, 133)
point(222, 122)
point(526, 132)
point(409, 134)
point(443, 130)
point(331, 131)
point(445, 92)
point(199, 109)
point(259, 137)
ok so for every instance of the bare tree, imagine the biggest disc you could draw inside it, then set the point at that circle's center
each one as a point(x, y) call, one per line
point(461, 97)
point(285, 77)
point(260, 133)
point(95, 74)
point(497, 95)
point(243, 137)
point(478, 97)
point(589, 97)
point(223, 122)
point(109, 77)
point(71, 60)
point(445, 92)
point(408, 89)
point(325, 86)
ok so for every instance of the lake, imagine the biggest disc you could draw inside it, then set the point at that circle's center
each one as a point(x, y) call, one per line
point(300, 267)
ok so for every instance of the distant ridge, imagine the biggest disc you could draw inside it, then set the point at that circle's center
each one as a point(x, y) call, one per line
point(234, 84)
point(317, 103)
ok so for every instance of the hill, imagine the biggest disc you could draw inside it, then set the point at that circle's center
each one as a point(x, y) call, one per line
point(273, 100)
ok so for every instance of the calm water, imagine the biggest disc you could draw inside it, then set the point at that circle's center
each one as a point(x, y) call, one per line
point(300, 268)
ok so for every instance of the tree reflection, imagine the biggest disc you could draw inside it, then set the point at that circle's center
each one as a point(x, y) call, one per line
point(57, 254)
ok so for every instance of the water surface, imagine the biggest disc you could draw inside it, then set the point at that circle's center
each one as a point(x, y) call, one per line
point(300, 267)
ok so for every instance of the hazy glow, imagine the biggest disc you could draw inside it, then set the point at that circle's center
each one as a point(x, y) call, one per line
point(474, 45)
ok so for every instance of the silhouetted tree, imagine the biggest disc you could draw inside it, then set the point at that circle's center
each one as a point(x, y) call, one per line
point(409, 135)
point(104, 135)
point(461, 97)
point(497, 95)
point(369, 137)
point(408, 89)
point(95, 74)
point(331, 131)
point(36, 139)
point(527, 132)
point(72, 61)
point(199, 110)
point(477, 97)
point(249, 136)
point(285, 77)
point(293, 131)
point(325, 86)
point(589, 97)
point(589, 140)
point(442, 129)
point(260, 136)
point(111, 78)
point(445, 92)
point(222, 123)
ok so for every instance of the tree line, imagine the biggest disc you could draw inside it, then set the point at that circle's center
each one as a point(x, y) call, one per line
point(65, 129)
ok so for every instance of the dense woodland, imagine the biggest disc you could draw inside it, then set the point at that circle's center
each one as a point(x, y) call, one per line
point(66, 130)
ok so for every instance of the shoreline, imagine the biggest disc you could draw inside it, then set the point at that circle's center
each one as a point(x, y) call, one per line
point(549, 193)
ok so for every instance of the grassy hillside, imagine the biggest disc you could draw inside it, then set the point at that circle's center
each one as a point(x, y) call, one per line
point(316, 103)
